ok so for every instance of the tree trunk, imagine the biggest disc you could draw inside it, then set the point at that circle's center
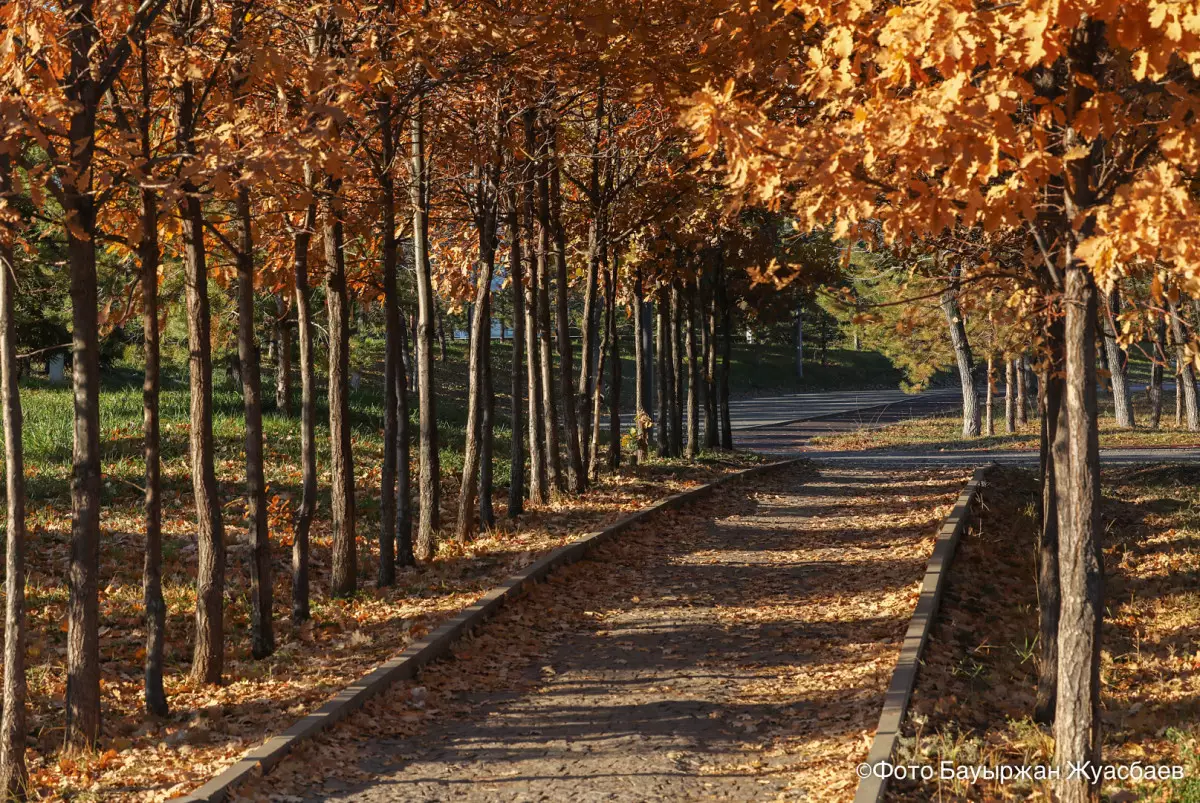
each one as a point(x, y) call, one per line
point(1116, 359)
point(1053, 456)
point(539, 488)
point(283, 357)
point(675, 344)
point(989, 419)
point(14, 776)
point(1081, 579)
point(404, 513)
point(640, 379)
point(602, 354)
point(301, 239)
point(1010, 396)
point(614, 390)
point(665, 393)
point(441, 325)
point(344, 580)
point(430, 479)
point(487, 515)
point(1022, 393)
point(800, 342)
point(576, 478)
point(693, 385)
point(589, 372)
point(393, 359)
point(262, 639)
point(711, 435)
point(962, 354)
point(516, 484)
point(550, 401)
point(1186, 380)
point(1155, 391)
point(475, 396)
point(726, 354)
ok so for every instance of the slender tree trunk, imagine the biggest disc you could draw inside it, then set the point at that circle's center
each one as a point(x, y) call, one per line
point(989, 419)
point(576, 477)
point(283, 357)
point(800, 342)
point(1115, 357)
point(726, 354)
point(539, 488)
point(677, 372)
point(1187, 376)
point(1155, 390)
point(962, 354)
point(475, 399)
point(693, 385)
point(404, 512)
point(14, 776)
point(516, 277)
point(597, 387)
point(430, 478)
point(1010, 396)
point(550, 401)
point(1081, 579)
point(262, 637)
point(1022, 393)
point(711, 435)
point(393, 359)
point(301, 240)
point(663, 425)
point(614, 390)
point(588, 369)
point(640, 379)
point(344, 580)
point(487, 412)
point(1053, 455)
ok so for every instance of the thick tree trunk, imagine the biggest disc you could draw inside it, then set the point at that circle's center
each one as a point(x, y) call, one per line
point(1053, 456)
point(692, 447)
point(989, 418)
point(576, 477)
point(1081, 578)
point(640, 379)
point(430, 478)
point(1116, 359)
point(663, 424)
point(516, 277)
point(301, 239)
point(344, 580)
point(1157, 366)
point(1010, 396)
point(14, 776)
point(966, 367)
point(1186, 381)
point(262, 639)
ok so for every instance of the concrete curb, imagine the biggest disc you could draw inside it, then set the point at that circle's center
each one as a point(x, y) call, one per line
point(904, 678)
point(262, 759)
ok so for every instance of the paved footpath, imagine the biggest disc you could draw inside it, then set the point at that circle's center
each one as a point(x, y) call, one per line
point(737, 650)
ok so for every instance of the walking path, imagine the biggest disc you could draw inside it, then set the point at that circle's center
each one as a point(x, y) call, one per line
point(737, 650)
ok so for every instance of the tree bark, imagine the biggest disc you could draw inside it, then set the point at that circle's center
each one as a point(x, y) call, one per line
point(1053, 455)
point(614, 390)
point(1010, 396)
point(550, 402)
point(597, 387)
point(430, 478)
point(962, 355)
point(663, 425)
point(476, 391)
point(283, 357)
point(693, 386)
point(301, 240)
point(709, 307)
point(678, 379)
point(1081, 579)
point(726, 354)
point(800, 342)
point(588, 369)
point(344, 580)
point(14, 776)
point(262, 639)
point(1157, 366)
point(989, 419)
point(1116, 359)
point(539, 488)
point(393, 359)
point(640, 379)
point(1186, 381)
point(576, 478)
point(1022, 394)
point(516, 277)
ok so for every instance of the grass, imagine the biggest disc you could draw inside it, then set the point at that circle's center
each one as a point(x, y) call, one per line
point(944, 434)
point(975, 694)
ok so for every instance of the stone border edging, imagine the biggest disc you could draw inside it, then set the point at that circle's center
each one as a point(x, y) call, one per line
point(904, 678)
point(407, 664)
